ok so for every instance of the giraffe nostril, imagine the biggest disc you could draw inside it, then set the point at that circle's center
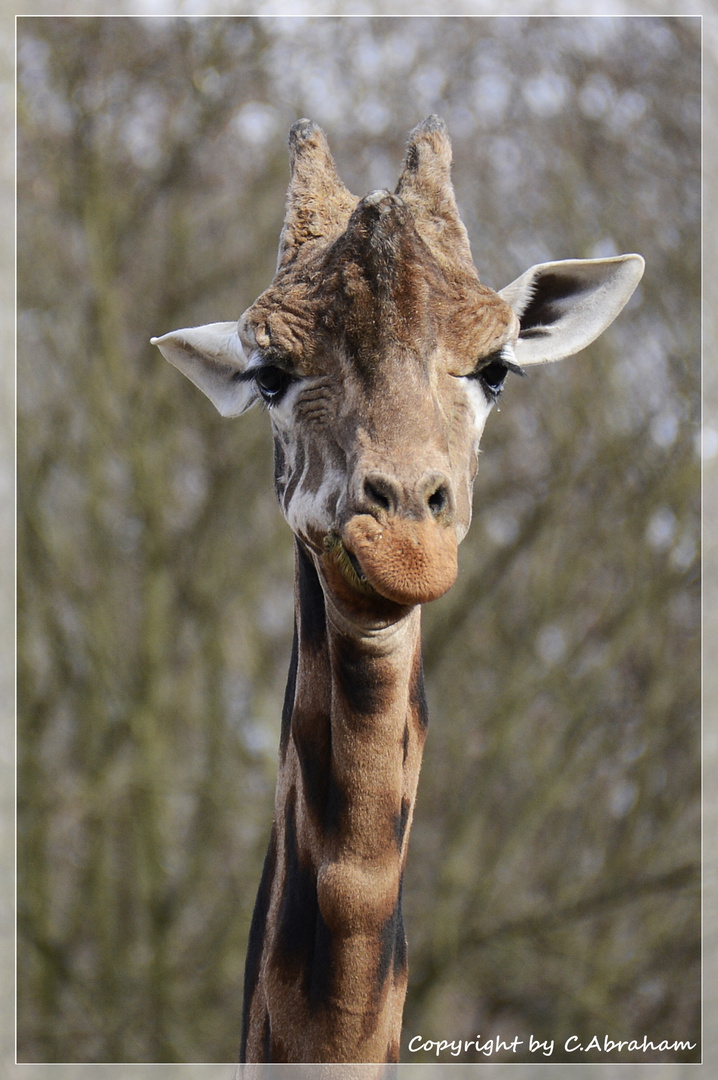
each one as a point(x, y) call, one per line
point(438, 501)
point(379, 493)
point(384, 494)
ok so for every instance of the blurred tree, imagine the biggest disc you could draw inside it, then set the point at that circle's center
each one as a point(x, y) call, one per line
point(552, 884)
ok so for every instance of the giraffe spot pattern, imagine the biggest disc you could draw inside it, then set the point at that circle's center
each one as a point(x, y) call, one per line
point(289, 696)
point(311, 732)
point(280, 464)
point(393, 955)
point(418, 696)
point(311, 603)
point(400, 823)
point(256, 937)
point(363, 685)
point(303, 940)
point(287, 489)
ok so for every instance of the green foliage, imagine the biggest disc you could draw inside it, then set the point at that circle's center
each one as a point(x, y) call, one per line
point(552, 881)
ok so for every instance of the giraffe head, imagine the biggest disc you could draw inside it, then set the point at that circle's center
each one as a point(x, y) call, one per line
point(379, 355)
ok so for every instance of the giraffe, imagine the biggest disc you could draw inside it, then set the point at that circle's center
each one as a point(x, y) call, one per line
point(378, 354)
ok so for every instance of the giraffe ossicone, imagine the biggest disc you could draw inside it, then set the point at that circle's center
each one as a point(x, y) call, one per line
point(379, 355)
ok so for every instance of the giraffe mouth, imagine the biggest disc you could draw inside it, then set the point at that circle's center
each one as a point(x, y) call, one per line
point(348, 565)
point(403, 560)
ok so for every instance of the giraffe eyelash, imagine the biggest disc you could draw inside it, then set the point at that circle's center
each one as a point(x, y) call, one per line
point(271, 381)
point(493, 370)
point(503, 357)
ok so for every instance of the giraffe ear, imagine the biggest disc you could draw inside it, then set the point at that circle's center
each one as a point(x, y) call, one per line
point(564, 306)
point(212, 358)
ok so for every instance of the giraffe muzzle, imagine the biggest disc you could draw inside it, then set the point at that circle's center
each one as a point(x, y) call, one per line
point(402, 559)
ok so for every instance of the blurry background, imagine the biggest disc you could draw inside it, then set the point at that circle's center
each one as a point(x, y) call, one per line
point(552, 886)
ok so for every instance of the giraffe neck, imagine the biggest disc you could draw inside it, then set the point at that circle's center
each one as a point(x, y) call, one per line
point(326, 967)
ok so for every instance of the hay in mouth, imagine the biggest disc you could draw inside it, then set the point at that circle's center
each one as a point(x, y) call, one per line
point(348, 565)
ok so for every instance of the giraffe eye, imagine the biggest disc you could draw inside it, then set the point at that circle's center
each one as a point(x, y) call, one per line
point(493, 377)
point(492, 374)
point(272, 382)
